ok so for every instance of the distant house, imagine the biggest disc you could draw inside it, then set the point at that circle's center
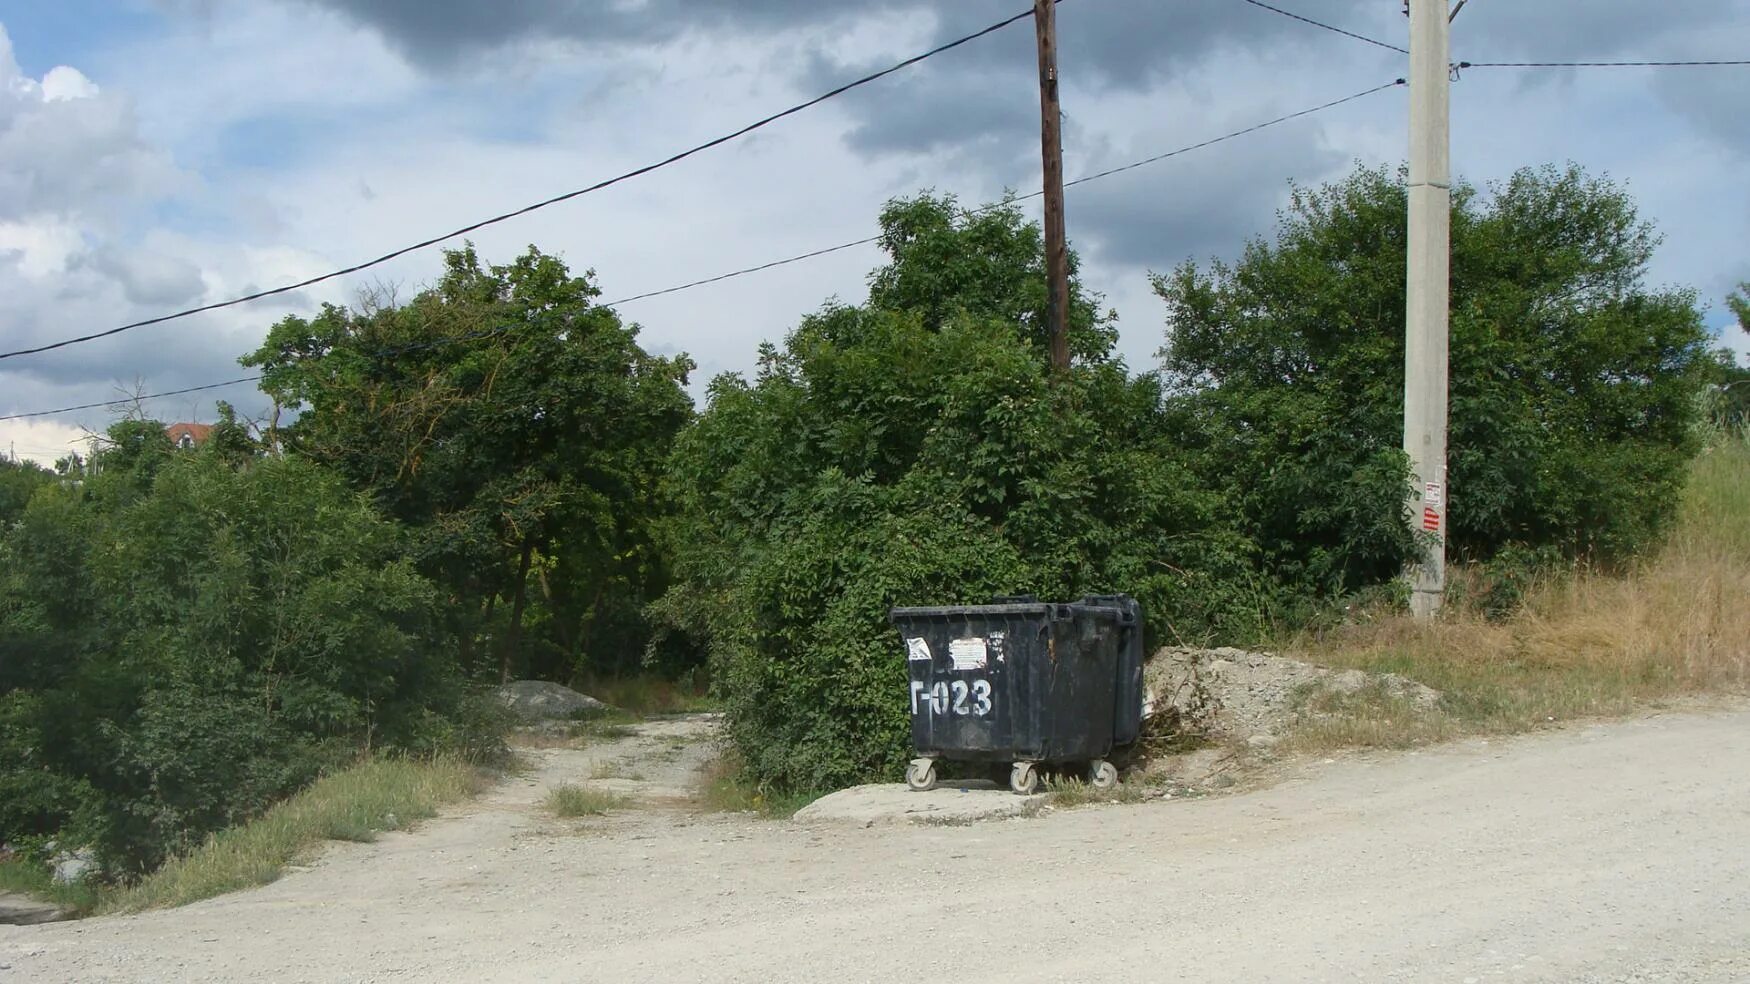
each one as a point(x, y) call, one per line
point(188, 435)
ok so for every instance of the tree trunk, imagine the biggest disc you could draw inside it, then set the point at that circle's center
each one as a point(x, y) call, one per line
point(514, 636)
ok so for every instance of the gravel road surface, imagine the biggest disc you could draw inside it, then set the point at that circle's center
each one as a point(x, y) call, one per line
point(1618, 852)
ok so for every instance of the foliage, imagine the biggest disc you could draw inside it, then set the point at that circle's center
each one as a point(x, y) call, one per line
point(1574, 385)
point(1730, 407)
point(569, 800)
point(517, 429)
point(183, 641)
point(914, 450)
point(19, 480)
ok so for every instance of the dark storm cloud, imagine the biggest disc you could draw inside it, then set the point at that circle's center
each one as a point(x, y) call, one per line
point(1123, 42)
point(441, 32)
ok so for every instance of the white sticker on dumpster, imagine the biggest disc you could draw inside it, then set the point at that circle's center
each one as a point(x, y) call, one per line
point(968, 654)
point(918, 650)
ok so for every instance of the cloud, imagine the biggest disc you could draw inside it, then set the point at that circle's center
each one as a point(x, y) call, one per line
point(66, 147)
point(448, 33)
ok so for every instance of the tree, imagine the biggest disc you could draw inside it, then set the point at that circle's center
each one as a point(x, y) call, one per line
point(515, 426)
point(913, 450)
point(19, 480)
point(183, 641)
point(1574, 384)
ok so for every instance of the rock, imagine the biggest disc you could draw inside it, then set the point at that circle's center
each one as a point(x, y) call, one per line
point(1233, 695)
point(538, 700)
point(73, 866)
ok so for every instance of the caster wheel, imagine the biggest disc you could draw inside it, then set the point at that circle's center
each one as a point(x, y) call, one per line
point(920, 775)
point(1104, 775)
point(1024, 779)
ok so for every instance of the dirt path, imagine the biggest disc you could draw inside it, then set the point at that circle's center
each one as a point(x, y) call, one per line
point(1612, 853)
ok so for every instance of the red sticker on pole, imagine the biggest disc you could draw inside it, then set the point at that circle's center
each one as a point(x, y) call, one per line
point(1430, 521)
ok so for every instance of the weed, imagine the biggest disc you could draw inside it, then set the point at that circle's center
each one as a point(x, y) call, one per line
point(1073, 791)
point(352, 805)
point(647, 695)
point(1580, 643)
point(568, 800)
point(38, 881)
point(724, 788)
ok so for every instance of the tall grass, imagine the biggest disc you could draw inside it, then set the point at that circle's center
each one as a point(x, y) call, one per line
point(1583, 643)
point(354, 805)
point(647, 694)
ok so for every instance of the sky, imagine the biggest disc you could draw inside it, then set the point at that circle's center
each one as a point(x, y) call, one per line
point(160, 154)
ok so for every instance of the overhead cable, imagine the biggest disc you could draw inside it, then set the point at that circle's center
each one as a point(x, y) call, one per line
point(1329, 27)
point(812, 254)
point(556, 199)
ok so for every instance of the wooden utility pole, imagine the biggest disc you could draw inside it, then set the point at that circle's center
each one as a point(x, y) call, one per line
point(1051, 137)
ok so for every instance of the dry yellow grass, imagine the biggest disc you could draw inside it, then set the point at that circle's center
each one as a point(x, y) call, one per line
point(353, 805)
point(1583, 644)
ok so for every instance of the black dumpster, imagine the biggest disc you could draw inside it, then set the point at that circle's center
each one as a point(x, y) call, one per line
point(1024, 683)
point(1127, 720)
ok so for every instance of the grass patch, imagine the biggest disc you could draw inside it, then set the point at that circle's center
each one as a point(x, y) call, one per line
point(724, 789)
point(1582, 644)
point(353, 805)
point(647, 695)
point(38, 881)
point(582, 801)
point(1066, 792)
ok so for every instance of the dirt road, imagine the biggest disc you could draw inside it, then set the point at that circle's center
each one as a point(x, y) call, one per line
point(1611, 853)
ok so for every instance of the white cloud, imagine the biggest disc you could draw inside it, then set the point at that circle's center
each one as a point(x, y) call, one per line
point(64, 82)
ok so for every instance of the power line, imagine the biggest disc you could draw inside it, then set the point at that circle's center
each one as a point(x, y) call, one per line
point(1329, 27)
point(131, 399)
point(1602, 64)
point(556, 199)
point(800, 257)
point(1021, 198)
point(1237, 133)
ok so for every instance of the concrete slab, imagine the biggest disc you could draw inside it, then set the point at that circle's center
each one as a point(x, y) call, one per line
point(895, 803)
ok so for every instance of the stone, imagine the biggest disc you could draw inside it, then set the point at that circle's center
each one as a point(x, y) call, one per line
point(539, 700)
point(74, 866)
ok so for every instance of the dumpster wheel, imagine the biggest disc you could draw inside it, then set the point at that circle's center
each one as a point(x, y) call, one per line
point(1024, 779)
point(1102, 774)
point(920, 775)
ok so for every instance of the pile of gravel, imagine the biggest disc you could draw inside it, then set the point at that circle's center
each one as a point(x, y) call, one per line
point(1226, 694)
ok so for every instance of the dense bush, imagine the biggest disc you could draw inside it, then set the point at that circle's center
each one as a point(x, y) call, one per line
point(914, 450)
point(185, 638)
point(1574, 384)
point(518, 431)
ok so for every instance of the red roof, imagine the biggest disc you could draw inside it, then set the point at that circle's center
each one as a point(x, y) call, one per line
point(195, 433)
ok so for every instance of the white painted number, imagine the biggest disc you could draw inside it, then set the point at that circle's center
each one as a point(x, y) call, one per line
point(956, 696)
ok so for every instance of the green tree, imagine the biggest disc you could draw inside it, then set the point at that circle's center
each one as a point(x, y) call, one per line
point(179, 650)
point(516, 427)
point(1732, 408)
point(1573, 393)
point(913, 450)
point(19, 480)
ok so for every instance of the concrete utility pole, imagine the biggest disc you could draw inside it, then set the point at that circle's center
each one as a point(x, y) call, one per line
point(1430, 266)
point(1051, 136)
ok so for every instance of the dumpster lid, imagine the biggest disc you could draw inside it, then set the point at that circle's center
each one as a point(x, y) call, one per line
point(1037, 608)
